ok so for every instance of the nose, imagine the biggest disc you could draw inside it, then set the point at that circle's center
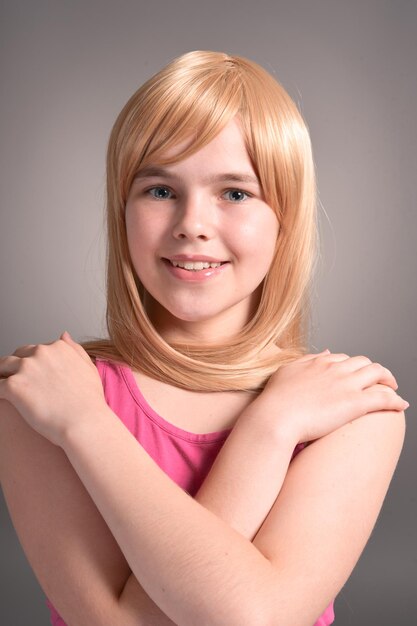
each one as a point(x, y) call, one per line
point(194, 219)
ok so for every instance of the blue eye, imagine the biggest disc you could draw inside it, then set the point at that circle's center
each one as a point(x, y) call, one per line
point(236, 195)
point(160, 193)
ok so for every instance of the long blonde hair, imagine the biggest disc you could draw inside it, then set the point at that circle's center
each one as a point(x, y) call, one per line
point(196, 95)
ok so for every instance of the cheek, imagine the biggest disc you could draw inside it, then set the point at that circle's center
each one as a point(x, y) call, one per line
point(258, 235)
point(137, 240)
point(139, 230)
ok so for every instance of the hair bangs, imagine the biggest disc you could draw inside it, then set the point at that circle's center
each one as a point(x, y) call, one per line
point(173, 115)
point(176, 116)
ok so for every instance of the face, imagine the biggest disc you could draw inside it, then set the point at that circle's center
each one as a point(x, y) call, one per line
point(201, 239)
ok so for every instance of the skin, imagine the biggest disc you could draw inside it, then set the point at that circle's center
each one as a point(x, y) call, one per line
point(209, 204)
point(272, 532)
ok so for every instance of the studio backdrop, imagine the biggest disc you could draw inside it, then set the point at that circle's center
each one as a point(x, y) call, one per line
point(66, 70)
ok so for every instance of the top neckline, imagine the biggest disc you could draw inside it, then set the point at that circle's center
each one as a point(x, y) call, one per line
point(161, 422)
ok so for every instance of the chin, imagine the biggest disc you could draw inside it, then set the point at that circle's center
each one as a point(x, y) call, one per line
point(192, 311)
point(193, 316)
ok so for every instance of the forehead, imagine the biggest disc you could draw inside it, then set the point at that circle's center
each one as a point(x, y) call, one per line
point(226, 150)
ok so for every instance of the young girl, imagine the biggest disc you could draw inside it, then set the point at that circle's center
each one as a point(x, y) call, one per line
point(200, 468)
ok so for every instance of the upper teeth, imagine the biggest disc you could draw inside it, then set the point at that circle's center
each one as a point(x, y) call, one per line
point(198, 265)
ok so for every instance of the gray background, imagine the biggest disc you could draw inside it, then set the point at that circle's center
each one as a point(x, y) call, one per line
point(66, 70)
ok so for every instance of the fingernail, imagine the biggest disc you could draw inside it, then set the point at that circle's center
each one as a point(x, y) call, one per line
point(406, 404)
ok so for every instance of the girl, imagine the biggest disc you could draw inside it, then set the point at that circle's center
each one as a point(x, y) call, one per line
point(261, 470)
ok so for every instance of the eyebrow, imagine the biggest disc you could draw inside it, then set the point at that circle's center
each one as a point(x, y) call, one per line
point(237, 177)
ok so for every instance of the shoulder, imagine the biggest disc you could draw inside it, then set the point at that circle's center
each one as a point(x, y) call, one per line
point(14, 435)
point(25, 456)
point(328, 505)
point(361, 454)
point(110, 371)
point(65, 539)
point(379, 434)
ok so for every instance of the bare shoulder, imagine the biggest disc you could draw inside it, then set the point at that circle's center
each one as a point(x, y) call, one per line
point(365, 451)
point(22, 449)
point(328, 505)
point(15, 440)
point(67, 542)
point(379, 435)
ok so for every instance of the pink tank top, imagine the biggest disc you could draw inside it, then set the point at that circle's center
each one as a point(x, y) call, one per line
point(186, 457)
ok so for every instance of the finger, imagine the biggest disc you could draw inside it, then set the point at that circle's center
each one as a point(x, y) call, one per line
point(309, 357)
point(76, 346)
point(4, 389)
point(354, 363)
point(384, 400)
point(373, 374)
point(336, 357)
point(23, 351)
point(9, 365)
point(382, 387)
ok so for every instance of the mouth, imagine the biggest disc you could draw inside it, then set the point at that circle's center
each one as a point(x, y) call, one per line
point(195, 266)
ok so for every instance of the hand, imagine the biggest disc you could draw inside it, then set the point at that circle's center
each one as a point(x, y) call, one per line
point(318, 393)
point(52, 386)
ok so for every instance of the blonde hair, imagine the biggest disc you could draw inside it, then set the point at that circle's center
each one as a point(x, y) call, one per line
point(196, 95)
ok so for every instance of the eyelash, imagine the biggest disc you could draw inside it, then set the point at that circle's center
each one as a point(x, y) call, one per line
point(149, 191)
point(228, 191)
point(245, 193)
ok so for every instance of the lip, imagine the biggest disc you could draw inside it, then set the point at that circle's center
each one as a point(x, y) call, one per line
point(194, 258)
point(196, 276)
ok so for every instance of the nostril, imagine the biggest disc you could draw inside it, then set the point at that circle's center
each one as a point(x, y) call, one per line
point(192, 229)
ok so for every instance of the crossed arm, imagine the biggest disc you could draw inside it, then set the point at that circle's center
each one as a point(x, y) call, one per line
point(195, 558)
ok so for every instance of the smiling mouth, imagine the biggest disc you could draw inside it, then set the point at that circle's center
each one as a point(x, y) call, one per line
point(195, 266)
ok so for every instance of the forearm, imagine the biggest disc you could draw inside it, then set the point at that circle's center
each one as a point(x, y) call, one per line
point(177, 549)
point(240, 489)
point(248, 473)
point(135, 608)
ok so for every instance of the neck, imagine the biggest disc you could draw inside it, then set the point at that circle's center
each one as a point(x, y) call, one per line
point(204, 332)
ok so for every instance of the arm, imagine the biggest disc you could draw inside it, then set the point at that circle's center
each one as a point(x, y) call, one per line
point(240, 489)
point(179, 551)
point(88, 568)
point(81, 567)
point(72, 551)
point(75, 557)
point(44, 410)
